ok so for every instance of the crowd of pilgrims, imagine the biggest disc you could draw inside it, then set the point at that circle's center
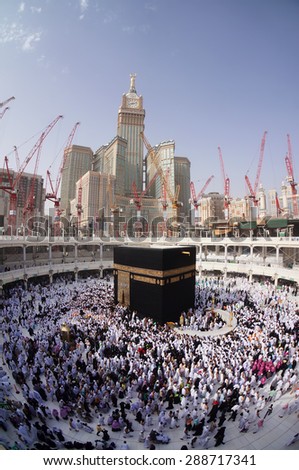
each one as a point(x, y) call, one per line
point(75, 357)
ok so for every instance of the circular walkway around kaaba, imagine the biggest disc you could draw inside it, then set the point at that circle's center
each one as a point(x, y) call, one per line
point(227, 317)
point(275, 435)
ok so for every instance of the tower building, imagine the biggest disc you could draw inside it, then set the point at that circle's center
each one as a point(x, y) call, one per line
point(273, 204)
point(110, 159)
point(130, 124)
point(98, 190)
point(182, 177)
point(78, 162)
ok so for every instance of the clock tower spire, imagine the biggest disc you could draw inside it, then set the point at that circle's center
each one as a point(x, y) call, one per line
point(129, 126)
point(132, 83)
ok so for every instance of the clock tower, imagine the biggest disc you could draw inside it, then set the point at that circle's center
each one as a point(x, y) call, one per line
point(130, 124)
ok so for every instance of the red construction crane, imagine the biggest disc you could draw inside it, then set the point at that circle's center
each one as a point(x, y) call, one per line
point(30, 204)
point(12, 187)
point(53, 194)
point(226, 186)
point(6, 101)
point(195, 200)
point(277, 204)
point(291, 178)
point(253, 190)
point(290, 153)
point(293, 184)
point(138, 197)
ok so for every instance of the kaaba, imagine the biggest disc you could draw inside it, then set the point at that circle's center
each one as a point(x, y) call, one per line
point(156, 282)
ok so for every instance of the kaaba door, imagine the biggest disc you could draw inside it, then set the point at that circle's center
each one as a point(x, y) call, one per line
point(123, 288)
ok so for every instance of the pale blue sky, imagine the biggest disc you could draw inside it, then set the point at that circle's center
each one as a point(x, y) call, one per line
point(212, 73)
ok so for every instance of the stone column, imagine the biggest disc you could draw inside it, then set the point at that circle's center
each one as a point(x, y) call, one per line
point(225, 253)
point(277, 254)
point(50, 255)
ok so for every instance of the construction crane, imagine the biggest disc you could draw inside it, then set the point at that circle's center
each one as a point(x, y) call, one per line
point(137, 200)
point(226, 185)
point(293, 184)
point(290, 153)
point(164, 180)
point(17, 158)
point(291, 178)
point(195, 199)
point(6, 101)
point(253, 190)
point(13, 183)
point(30, 204)
point(277, 204)
point(164, 201)
point(54, 188)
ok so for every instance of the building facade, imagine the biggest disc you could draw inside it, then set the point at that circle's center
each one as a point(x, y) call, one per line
point(110, 159)
point(78, 162)
point(97, 200)
point(182, 167)
point(290, 201)
point(30, 199)
point(273, 203)
point(211, 208)
point(130, 124)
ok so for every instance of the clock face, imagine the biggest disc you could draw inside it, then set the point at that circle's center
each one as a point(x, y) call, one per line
point(132, 103)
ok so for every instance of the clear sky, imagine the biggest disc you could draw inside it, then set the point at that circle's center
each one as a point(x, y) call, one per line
point(211, 72)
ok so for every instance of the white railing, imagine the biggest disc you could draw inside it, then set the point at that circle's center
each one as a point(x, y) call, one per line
point(251, 269)
point(47, 269)
point(254, 265)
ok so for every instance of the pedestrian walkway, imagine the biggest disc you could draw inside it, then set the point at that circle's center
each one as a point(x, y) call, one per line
point(111, 364)
point(276, 434)
point(228, 318)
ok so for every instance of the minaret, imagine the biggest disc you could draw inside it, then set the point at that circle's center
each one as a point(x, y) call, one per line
point(130, 124)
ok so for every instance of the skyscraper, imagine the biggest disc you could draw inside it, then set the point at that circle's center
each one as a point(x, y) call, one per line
point(130, 124)
point(98, 191)
point(110, 159)
point(78, 162)
point(182, 178)
point(176, 171)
